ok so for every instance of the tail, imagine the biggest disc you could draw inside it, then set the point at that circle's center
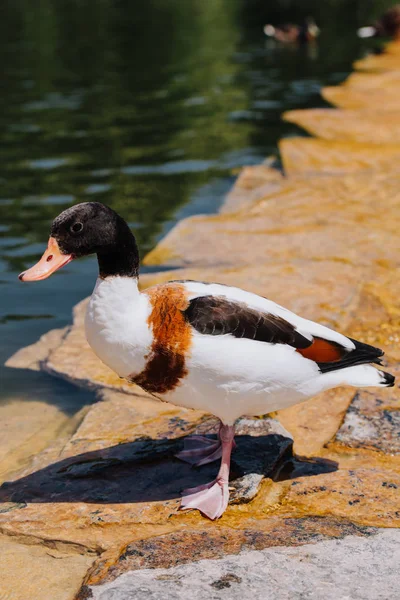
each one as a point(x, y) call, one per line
point(365, 376)
point(388, 380)
point(358, 376)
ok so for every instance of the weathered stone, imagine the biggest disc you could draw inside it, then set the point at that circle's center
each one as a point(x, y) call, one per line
point(103, 495)
point(372, 421)
point(355, 99)
point(27, 428)
point(367, 496)
point(124, 472)
point(327, 569)
point(373, 127)
point(32, 356)
point(309, 156)
point(378, 63)
point(251, 185)
point(286, 229)
point(121, 418)
point(372, 81)
point(191, 544)
point(244, 489)
point(314, 423)
point(51, 571)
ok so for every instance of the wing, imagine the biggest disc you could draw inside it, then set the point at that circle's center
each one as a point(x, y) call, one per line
point(216, 315)
point(219, 315)
point(307, 328)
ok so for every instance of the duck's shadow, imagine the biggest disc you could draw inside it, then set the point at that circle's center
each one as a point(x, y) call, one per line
point(145, 470)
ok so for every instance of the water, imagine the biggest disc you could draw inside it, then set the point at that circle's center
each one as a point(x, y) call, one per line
point(149, 106)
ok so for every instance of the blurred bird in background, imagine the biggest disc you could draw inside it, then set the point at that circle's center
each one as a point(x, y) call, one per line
point(289, 33)
point(387, 26)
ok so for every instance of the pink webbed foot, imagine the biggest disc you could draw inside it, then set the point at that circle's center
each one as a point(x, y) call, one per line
point(211, 499)
point(200, 450)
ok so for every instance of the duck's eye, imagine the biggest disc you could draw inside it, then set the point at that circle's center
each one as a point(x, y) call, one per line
point(77, 227)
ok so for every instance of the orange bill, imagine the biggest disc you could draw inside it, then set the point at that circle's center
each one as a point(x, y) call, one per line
point(51, 261)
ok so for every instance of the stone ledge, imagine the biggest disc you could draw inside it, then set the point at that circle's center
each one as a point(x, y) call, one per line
point(343, 568)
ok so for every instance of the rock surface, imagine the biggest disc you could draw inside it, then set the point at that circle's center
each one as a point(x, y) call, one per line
point(368, 126)
point(372, 421)
point(309, 156)
point(98, 501)
point(251, 185)
point(27, 428)
point(33, 571)
point(353, 568)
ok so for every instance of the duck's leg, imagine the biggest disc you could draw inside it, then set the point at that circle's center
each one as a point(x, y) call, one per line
point(211, 499)
point(200, 450)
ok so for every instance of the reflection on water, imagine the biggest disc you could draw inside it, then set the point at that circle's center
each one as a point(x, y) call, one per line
point(149, 106)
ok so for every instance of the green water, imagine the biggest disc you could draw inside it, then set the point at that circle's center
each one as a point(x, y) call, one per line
point(150, 106)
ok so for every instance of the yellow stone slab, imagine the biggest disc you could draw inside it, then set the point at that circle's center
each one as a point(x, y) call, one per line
point(251, 185)
point(315, 422)
point(303, 156)
point(374, 127)
point(39, 572)
point(381, 62)
point(120, 418)
point(369, 82)
point(310, 219)
point(363, 496)
point(31, 356)
point(356, 99)
point(26, 428)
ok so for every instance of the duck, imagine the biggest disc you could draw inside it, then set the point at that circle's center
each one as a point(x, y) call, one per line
point(290, 33)
point(387, 26)
point(206, 346)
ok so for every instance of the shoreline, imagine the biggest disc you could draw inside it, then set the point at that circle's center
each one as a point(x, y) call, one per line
point(320, 239)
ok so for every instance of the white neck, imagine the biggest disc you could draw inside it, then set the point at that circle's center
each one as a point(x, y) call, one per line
point(119, 289)
point(116, 324)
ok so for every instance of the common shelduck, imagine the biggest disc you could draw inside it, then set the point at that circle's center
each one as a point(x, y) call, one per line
point(206, 346)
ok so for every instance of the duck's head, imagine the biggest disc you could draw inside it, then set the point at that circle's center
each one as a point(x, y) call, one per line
point(83, 229)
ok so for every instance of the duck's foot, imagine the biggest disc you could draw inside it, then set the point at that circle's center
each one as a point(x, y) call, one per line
point(211, 499)
point(200, 450)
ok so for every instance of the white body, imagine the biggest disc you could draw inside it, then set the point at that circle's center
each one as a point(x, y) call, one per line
point(227, 376)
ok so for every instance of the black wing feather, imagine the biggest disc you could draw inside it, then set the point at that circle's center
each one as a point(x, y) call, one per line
point(216, 315)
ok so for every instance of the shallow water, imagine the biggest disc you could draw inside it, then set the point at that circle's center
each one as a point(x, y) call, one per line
point(149, 106)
